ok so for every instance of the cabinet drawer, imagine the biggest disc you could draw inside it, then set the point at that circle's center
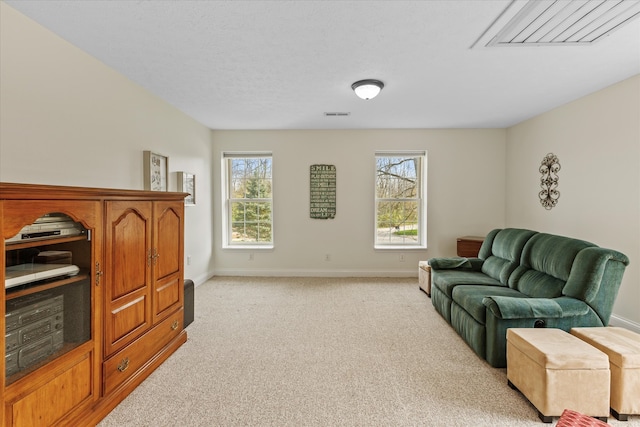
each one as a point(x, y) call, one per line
point(130, 359)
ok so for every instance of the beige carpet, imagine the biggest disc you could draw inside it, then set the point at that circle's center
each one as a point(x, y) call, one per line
point(323, 352)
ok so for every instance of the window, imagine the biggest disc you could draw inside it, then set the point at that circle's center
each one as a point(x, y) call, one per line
point(400, 202)
point(248, 216)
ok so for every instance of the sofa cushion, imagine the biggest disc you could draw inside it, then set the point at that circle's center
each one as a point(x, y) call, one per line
point(551, 259)
point(470, 298)
point(446, 280)
point(536, 284)
point(506, 250)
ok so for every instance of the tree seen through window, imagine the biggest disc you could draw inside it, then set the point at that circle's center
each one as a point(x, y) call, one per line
point(398, 199)
point(250, 200)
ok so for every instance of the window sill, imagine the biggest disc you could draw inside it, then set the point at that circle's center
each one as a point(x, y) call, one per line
point(248, 247)
point(399, 248)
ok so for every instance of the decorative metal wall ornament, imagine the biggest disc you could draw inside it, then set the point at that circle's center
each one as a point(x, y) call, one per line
point(549, 194)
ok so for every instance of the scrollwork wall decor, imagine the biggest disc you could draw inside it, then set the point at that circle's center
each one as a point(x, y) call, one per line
point(549, 169)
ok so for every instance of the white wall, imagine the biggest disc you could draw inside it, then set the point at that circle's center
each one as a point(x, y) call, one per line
point(67, 119)
point(466, 182)
point(597, 140)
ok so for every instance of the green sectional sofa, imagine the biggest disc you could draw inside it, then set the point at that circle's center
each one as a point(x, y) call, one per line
point(525, 279)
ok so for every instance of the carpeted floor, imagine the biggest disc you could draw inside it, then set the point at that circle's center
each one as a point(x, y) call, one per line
point(323, 352)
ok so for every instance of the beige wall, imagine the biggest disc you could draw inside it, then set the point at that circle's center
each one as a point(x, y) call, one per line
point(67, 119)
point(466, 180)
point(597, 140)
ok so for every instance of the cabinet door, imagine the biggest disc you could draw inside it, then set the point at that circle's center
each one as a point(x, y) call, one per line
point(167, 255)
point(128, 291)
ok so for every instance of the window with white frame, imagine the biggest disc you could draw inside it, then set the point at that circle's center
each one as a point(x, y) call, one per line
point(400, 200)
point(248, 189)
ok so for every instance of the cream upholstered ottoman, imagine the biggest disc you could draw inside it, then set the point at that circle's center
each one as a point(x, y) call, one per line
point(623, 348)
point(557, 371)
point(424, 277)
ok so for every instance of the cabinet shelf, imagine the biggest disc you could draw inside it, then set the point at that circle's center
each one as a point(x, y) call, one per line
point(29, 289)
point(10, 246)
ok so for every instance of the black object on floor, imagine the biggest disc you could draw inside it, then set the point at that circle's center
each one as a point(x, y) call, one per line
point(188, 302)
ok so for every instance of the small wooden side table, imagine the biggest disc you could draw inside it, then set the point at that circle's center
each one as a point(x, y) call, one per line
point(469, 246)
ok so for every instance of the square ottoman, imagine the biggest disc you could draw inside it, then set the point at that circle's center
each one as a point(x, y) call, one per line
point(623, 348)
point(557, 371)
point(424, 277)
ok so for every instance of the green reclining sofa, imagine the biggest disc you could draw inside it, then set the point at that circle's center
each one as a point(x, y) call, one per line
point(525, 279)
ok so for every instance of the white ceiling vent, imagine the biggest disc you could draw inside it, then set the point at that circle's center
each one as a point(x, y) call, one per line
point(336, 114)
point(558, 22)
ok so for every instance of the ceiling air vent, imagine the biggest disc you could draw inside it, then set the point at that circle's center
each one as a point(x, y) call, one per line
point(558, 22)
point(336, 114)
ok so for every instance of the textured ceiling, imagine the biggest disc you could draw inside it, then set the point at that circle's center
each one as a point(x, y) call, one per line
point(283, 64)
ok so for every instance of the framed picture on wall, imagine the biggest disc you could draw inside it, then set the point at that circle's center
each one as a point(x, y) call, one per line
point(187, 184)
point(156, 170)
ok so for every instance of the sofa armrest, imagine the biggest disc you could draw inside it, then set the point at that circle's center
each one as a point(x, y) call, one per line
point(504, 307)
point(452, 263)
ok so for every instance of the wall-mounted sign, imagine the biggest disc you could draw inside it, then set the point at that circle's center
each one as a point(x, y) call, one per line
point(322, 179)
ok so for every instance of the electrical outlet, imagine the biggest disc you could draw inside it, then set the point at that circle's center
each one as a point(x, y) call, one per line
point(327, 257)
point(401, 258)
point(188, 259)
point(250, 256)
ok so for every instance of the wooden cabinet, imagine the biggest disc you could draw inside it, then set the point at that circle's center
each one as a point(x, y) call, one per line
point(469, 246)
point(87, 337)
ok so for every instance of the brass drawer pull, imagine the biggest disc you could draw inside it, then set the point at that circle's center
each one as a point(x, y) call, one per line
point(123, 365)
point(175, 325)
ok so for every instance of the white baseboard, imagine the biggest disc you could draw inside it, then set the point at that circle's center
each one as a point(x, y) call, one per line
point(314, 273)
point(199, 280)
point(624, 323)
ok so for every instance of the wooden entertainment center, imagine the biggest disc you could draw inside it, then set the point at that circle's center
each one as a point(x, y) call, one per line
point(106, 312)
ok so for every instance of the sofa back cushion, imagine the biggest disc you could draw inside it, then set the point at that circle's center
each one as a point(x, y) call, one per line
point(546, 264)
point(502, 250)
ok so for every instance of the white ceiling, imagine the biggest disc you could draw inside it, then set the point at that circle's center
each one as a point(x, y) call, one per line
point(283, 64)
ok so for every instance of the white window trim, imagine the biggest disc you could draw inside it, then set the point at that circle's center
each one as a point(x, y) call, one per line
point(422, 200)
point(226, 208)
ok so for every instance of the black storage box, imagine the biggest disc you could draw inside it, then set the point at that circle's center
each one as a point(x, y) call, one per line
point(188, 302)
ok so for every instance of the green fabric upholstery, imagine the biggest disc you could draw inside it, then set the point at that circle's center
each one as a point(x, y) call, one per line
point(552, 254)
point(520, 279)
point(536, 284)
point(596, 279)
point(487, 244)
point(449, 263)
point(472, 331)
point(470, 298)
point(506, 251)
point(447, 280)
point(441, 302)
point(506, 307)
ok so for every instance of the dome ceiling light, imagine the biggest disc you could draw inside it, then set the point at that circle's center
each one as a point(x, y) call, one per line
point(367, 89)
